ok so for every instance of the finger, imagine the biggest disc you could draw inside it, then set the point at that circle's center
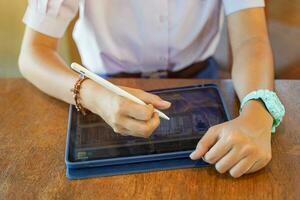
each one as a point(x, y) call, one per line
point(228, 161)
point(156, 101)
point(141, 128)
point(135, 110)
point(242, 167)
point(120, 130)
point(218, 151)
point(257, 166)
point(149, 98)
point(122, 126)
point(209, 139)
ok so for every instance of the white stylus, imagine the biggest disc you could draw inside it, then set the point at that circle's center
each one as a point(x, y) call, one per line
point(108, 85)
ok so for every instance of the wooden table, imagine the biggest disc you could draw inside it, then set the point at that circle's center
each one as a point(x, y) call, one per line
point(32, 145)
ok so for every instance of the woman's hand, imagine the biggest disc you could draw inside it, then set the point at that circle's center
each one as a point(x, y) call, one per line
point(123, 115)
point(240, 146)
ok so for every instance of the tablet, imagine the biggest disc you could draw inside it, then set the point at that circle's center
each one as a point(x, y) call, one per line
point(194, 109)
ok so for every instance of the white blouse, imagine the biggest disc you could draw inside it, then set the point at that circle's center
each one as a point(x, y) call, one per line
point(137, 35)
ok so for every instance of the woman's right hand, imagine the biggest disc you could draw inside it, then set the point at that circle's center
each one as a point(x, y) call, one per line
point(123, 115)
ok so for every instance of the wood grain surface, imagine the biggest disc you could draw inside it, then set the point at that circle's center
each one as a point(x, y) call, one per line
point(32, 145)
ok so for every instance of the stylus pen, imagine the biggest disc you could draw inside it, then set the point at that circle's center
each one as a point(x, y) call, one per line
point(108, 85)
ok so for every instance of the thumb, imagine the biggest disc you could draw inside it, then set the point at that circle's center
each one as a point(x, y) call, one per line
point(149, 98)
point(206, 142)
point(155, 100)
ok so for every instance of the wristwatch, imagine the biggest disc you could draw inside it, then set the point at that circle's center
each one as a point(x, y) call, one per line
point(271, 102)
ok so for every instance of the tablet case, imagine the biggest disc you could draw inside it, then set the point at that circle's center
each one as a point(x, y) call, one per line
point(79, 171)
point(73, 173)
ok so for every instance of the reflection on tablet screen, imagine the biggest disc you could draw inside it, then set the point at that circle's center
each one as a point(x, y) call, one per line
point(192, 112)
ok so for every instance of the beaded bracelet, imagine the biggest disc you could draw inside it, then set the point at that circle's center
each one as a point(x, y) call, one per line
point(76, 94)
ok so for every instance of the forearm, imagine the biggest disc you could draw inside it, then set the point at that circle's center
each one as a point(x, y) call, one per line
point(40, 64)
point(44, 68)
point(252, 56)
point(253, 70)
point(252, 67)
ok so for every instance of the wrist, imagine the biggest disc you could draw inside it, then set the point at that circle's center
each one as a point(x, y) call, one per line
point(88, 94)
point(256, 110)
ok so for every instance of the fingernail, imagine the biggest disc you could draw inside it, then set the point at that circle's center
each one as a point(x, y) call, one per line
point(192, 154)
point(165, 103)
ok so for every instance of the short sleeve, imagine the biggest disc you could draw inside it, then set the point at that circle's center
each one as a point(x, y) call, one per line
point(232, 6)
point(50, 17)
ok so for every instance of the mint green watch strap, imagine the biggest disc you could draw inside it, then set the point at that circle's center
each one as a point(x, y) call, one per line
point(271, 102)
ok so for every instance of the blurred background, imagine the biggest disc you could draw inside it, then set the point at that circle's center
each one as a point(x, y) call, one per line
point(283, 21)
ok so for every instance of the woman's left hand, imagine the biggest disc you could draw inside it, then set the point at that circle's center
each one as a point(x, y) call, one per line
point(240, 146)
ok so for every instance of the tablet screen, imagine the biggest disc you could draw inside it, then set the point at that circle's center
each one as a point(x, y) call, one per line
point(193, 111)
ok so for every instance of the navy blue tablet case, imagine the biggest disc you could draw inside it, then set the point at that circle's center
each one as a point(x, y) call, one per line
point(133, 168)
point(88, 169)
